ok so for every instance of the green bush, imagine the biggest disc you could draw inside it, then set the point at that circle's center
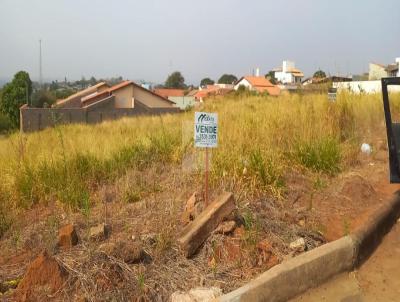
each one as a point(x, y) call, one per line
point(265, 169)
point(320, 155)
point(5, 124)
point(5, 212)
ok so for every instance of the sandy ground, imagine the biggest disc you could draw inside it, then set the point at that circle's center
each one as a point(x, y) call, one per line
point(377, 280)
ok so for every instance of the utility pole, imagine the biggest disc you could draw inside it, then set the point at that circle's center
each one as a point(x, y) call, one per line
point(40, 63)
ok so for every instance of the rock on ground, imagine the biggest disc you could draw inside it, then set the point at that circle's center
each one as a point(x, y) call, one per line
point(99, 232)
point(194, 206)
point(43, 276)
point(67, 237)
point(129, 252)
point(199, 294)
point(226, 227)
point(298, 245)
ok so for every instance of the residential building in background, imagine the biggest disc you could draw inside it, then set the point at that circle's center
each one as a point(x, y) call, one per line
point(393, 69)
point(259, 84)
point(376, 71)
point(96, 104)
point(169, 92)
point(213, 90)
point(371, 84)
point(288, 73)
point(177, 96)
point(379, 71)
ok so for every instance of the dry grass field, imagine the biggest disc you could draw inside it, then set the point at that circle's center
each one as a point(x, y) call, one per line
point(271, 153)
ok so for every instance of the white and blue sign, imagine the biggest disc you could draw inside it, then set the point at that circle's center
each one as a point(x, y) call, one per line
point(205, 129)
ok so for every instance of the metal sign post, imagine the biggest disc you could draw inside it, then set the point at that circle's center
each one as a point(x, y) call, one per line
point(205, 136)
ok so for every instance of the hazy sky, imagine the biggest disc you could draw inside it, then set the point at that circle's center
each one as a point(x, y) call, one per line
point(151, 38)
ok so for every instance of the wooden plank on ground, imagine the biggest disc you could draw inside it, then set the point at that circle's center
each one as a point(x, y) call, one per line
point(195, 233)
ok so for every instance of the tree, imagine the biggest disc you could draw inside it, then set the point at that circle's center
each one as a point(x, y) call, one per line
point(14, 95)
point(227, 79)
point(319, 74)
point(206, 81)
point(42, 98)
point(175, 80)
point(270, 76)
point(92, 81)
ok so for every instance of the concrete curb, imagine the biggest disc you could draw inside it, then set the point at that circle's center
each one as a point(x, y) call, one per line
point(368, 237)
point(293, 277)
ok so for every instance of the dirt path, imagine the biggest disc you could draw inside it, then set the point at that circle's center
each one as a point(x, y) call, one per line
point(377, 280)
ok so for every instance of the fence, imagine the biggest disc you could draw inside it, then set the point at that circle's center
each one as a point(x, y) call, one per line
point(363, 86)
point(34, 119)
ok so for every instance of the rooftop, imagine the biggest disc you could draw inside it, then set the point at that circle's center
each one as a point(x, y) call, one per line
point(167, 92)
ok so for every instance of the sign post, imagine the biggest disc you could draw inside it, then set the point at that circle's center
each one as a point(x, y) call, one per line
point(205, 136)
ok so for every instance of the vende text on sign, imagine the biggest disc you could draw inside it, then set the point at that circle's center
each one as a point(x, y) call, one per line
point(205, 129)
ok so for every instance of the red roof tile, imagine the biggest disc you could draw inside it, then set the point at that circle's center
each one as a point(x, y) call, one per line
point(258, 81)
point(120, 85)
point(167, 92)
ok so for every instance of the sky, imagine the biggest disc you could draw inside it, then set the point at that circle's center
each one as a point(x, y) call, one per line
point(149, 39)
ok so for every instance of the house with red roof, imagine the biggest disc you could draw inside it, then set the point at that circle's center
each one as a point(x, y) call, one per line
point(124, 95)
point(212, 90)
point(96, 104)
point(259, 84)
point(169, 92)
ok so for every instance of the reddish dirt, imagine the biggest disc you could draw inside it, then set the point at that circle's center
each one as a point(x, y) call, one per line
point(318, 212)
point(44, 275)
point(348, 202)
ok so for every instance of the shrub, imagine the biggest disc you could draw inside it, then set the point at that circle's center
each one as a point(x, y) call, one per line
point(5, 212)
point(265, 169)
point(320, 155)
point(5, 124)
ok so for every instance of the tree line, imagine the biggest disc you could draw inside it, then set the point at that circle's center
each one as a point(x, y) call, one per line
point(177, 81)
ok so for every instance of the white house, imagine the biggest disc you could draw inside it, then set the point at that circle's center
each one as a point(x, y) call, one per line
point(288, 74)
point(379, 71)
point(258, 84)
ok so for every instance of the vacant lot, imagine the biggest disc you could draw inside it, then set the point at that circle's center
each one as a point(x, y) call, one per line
point(293, 164)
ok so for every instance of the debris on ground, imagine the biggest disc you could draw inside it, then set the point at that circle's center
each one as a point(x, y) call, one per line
point(298, 245)
point(67, 237)
point(194, 206)
point(149, 239)
point(129, 252)
point(366, 149)
point(7, 285)
point(194, 234)
point(199, 294)
point(99, 232)
point(226, 227)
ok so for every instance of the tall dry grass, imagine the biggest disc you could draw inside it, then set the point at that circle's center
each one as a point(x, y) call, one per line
point(260, 139)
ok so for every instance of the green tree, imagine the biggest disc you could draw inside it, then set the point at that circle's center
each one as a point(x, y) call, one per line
point(319, 74)
point(227, 79)
point(54, 85)
point(42, 98)
point(270, 76)
point(92, 81)
point(206, 81)
point(175, 80)
point(14, 95)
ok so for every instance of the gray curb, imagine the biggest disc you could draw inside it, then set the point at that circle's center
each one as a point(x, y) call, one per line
point(293, 277)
